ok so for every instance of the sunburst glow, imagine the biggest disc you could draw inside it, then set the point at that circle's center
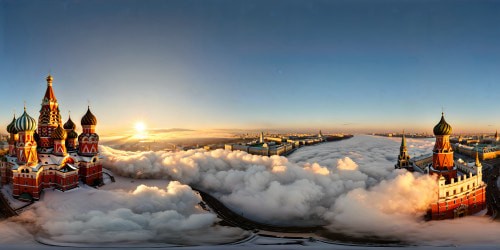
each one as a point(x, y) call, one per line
point(140, 130)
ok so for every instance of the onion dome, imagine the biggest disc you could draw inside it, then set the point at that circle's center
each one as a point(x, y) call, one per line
point(89, 118)
point(72, 134)
point(70, 125)
point(59, 133)
point(442, 128)
point(11, 128)
point(25, 123)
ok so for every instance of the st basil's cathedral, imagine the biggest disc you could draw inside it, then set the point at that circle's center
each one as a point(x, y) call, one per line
point(50, 154)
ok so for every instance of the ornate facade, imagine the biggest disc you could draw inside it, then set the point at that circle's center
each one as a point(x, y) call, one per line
point(461, 191)
point(50, 155)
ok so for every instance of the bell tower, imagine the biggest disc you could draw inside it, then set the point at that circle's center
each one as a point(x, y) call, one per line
point(49, 118)
point(442, 157)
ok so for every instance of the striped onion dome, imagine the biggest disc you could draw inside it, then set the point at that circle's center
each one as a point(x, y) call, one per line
point(72, 134)
point(11, 128)
point(442, 128)
point(59, 133)
point(25, 123)
point(89, 118)
point(70, 125)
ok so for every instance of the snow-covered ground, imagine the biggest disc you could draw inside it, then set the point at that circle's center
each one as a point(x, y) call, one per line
point(14, 203)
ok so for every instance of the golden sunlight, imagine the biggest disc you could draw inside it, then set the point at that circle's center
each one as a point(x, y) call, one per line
point(140, 130)
point(140, 127)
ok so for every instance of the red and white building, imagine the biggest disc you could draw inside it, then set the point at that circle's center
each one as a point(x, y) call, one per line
point(50, 155)
point(461, 190)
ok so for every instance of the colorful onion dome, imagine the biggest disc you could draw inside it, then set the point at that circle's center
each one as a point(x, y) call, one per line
point(72, 134)
point(70, 125)
point(442, 128)
point(59, 133)
point(11, 128)
point(25, 123)
point(89, 119)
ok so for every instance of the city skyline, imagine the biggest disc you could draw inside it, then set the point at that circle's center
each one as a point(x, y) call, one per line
point(357, 66)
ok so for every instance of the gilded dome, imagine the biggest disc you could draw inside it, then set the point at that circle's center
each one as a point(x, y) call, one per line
point(70, 125)
point(442, 128)
point(11, 128)
point(59, 133)
point(72, 134)
point(89, 118)
point(25, 123)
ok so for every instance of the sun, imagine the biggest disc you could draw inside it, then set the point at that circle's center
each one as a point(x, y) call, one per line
point(140, 127)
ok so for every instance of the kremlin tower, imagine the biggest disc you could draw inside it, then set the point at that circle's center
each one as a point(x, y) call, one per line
point(51, 158)
point(403, 158)
point(442, 156)
point(461, 190)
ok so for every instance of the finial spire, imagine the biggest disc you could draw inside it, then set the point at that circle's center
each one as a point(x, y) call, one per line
point(49, 79)
point(24, 106)
point(478, 163)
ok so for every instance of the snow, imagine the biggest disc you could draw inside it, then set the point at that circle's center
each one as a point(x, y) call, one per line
point(14, 203)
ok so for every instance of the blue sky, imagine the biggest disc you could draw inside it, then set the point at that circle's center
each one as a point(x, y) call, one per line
point(336, 65)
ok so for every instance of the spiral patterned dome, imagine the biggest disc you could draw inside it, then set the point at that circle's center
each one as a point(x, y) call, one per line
point(69, 124)
point(442, 128)
point(72, 134)
point(25, 123)
point(89, 118)
point(59, 133)
point(11, 128)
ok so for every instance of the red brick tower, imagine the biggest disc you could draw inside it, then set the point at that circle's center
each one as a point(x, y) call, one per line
point(442, 157)
point(90, 168)
point(49, 118)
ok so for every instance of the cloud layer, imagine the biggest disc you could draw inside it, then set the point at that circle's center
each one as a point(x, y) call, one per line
point(147, 214)
point(350, 185)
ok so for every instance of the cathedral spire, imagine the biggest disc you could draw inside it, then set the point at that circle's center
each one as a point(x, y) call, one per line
point(403, 140)
point(478, 163)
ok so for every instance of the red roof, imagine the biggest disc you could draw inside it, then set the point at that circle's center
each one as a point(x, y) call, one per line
point(49, 94)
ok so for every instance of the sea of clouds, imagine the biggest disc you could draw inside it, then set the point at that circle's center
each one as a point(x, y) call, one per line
point(168, 214)
point(350, 186)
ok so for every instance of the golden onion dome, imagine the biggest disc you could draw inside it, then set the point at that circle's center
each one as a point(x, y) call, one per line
point(59, 133)
point(442, 128)
point(70, 125)
point(11, 128)
point(89, 118)
point(25, 123)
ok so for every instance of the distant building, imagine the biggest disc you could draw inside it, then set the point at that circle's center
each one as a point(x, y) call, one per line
point(50, 155)
point(404, 157)
point(461, 190)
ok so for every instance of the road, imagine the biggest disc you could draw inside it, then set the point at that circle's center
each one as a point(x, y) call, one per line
point(237, 220)
point(5, 210)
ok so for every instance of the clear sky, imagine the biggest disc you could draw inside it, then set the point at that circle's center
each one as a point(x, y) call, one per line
point(335, 65)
